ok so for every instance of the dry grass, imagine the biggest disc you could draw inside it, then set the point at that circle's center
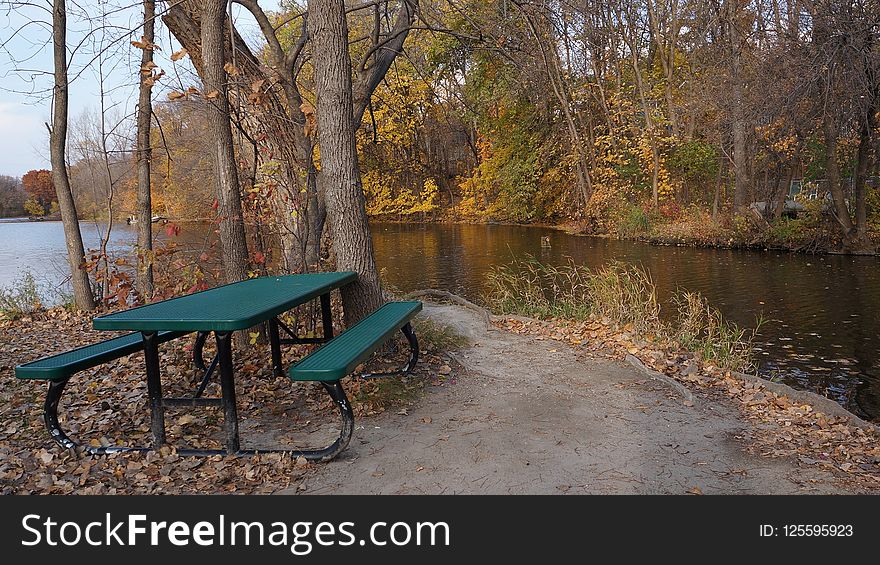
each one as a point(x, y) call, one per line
point(626, 296)
point(702, 329)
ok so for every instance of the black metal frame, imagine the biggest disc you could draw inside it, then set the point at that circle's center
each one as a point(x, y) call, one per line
point(276, 341)
point(223, 361)
point(410, 363)
point(334, 389)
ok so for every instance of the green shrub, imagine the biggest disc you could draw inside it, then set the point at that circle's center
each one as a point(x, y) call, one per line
point(785, 231)
point(694, 161)
point(634, 221)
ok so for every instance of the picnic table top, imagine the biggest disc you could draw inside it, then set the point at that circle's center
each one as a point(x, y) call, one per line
point(231, 307)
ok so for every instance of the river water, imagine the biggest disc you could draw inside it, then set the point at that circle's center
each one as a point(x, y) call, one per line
point(821, 314)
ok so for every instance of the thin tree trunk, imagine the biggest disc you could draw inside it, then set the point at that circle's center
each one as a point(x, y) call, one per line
point(859, 190)
point(829, 130)
point(667, 57)
point(716, 201)
point(232, 234)
point(554, 74)
point(144, 157)
point(340, 174)
point(741, 176)
point(82, 288)
point(782, 191)
point(651, 127)
point(108, 173)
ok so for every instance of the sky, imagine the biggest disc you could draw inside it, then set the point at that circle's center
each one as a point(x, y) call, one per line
point(26, 66)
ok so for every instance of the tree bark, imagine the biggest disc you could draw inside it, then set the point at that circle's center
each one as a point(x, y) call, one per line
point(233, 239)
point(144, 158)
point(740, 166)
point(829, 130)
point(859, 190)
point(82, 288)
point(340, 173)
point(317, 216)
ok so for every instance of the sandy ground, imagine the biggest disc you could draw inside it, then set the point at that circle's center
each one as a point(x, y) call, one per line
point(536, 417)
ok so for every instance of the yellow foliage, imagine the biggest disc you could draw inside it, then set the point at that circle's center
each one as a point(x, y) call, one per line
point(381, 200)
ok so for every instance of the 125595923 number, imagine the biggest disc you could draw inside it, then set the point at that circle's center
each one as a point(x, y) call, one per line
point(815, 530)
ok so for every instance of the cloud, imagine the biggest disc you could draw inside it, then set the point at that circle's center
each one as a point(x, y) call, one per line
point(23, 139)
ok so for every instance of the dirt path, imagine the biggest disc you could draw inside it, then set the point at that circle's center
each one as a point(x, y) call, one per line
point(532, 417)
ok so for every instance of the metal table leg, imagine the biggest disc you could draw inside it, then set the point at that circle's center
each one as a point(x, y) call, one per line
point(275, 343)
point(227, 388)
point(327, 316)
point(154, 388)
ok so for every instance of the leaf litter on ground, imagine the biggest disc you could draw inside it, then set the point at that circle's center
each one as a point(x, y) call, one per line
point(107, 405)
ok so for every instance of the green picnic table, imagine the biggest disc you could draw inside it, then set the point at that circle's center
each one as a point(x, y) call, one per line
point(223, 310)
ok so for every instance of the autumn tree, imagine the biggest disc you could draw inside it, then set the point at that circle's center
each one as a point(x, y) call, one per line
point(39, 188)
point(274, 94)
point(846, 101)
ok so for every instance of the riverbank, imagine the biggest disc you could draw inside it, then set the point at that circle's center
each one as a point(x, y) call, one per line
point(701, 230)
point(813, 232)
point(523, 407)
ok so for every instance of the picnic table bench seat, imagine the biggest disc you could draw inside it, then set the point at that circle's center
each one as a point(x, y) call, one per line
point(63, 365)
point(340, 356)
point(59, 368)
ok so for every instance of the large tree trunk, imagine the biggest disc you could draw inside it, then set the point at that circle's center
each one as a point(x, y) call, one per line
point(340, 174)
point(82, 288)
point(233, 239)
point(144, 157)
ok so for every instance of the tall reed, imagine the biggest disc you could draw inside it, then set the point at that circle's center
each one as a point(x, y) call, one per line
point(624, 295)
